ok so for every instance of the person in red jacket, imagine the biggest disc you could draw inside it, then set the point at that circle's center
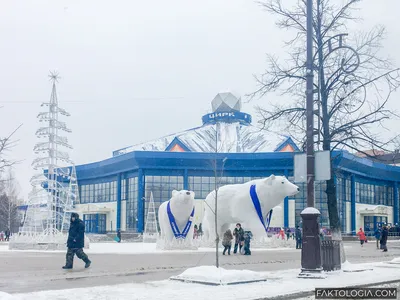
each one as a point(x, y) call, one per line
point(362, 237)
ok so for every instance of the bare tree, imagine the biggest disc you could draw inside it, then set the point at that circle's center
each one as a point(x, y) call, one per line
point(352, 90)
point(9, 203)
point(218, 170)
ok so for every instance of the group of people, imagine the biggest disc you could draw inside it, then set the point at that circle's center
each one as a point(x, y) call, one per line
point(198, 231)
point(242, 240)
point(5, 235)
point(381, 237)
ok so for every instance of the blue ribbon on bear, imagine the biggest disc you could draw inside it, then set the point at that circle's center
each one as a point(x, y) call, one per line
point(257, 206)
point(174, 226)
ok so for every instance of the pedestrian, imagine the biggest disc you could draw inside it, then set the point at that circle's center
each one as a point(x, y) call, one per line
point(238, 233)
point(195, 232)
point(7, 234)
point(299, 238)
point(288, 233)
point(200, 230)
point(384, 237)
point(377, 237)
point(119, 235)
point(321, 234)
point(2, 236)
point(76, 242)
point(227, 241)
point(361, 236)
point(282, 234)
point(247, 238)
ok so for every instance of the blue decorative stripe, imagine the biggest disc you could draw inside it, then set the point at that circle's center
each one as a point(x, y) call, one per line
point(174, 226)
point(257, 206)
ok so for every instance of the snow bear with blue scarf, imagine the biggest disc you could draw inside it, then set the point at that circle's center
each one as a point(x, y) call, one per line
point(249, 202)
point(176, 215)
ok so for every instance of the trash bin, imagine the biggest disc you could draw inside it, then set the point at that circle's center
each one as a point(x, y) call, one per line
point(330, 255)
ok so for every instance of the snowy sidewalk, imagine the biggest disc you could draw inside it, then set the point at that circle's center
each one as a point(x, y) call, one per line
point(135, 248)
point(279, 283)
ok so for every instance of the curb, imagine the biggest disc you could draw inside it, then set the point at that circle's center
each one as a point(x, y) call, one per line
point(312, 293)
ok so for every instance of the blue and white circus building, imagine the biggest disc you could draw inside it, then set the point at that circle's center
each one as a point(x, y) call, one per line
point(115, 192)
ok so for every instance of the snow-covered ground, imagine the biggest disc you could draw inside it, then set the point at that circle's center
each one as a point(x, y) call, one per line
point(135, 248)
point(278, 283)
point(218, 276)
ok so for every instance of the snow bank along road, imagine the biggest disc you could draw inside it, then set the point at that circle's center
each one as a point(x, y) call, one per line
point(22, 272)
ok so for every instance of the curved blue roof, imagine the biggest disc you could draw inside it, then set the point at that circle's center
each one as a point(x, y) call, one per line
point(244, 162)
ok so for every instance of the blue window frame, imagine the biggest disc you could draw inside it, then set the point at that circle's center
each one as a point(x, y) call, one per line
point(95, 223)
point(374, 193)
point(131, 203)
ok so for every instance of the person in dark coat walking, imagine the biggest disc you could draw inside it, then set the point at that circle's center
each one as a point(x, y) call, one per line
point(76, 242)
point(384, 237)
point(227, 241)
point(299, 237)
point(7, 234)
point(119, 235)
point(238, 233)
point(288, 232)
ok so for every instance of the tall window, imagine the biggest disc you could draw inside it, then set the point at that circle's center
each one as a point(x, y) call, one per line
point(132, 204)
point(99, 192)
point(374, 194)
point(124, 194)
point(161, 187)
point(321, 202)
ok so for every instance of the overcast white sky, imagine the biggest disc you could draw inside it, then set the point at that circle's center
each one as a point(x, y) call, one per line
point(132, 70)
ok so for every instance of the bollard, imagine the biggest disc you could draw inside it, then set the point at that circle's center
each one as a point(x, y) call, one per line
point(330, 255)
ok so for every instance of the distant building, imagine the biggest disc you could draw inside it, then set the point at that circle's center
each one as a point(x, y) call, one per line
point(114, 193)
point(391, 158)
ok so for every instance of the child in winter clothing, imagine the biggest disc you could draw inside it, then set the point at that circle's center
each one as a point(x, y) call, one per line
point(247, 237)
point(227, 241)
point(362, 237)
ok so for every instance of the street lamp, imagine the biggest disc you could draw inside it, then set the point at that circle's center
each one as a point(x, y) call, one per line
point(311, 248)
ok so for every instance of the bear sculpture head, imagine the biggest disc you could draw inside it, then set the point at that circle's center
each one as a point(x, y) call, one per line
point(183, 196)
point(276, 188)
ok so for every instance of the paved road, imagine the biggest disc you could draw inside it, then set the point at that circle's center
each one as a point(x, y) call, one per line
point(22, 272)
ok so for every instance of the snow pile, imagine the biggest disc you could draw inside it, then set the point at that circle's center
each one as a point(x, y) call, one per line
point(310, 211)
point(40, 241)
point(176, 244)
point(265, 242)
point(273, 242)
point(395, 260)
point(5, 296)
point(219, 276)
point(349, 267)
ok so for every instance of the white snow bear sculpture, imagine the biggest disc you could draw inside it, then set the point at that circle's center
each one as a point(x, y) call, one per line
point(235, 203)
point(181, 207)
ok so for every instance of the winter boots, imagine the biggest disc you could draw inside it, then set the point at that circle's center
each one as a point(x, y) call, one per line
point(70, 258)
point(87, 264)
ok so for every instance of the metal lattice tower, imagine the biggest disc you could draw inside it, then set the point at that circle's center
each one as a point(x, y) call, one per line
point(151, 227)
point(72, 198)
point(50, 189)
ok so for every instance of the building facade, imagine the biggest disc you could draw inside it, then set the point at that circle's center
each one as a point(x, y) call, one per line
point(115, 192)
